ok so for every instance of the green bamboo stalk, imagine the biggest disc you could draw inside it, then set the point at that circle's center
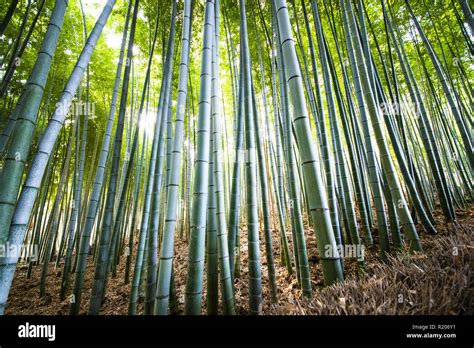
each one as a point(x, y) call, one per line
point(218, 175)
point(193, 293)
point(98, 286)
point(35, 174)
point(22, 136)
point(166, 252)
point(317, 199)
point(358, 66)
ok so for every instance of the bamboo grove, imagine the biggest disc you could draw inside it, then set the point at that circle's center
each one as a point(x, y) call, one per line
point(235, 126)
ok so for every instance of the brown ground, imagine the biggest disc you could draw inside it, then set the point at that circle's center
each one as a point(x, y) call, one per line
point(437, 281)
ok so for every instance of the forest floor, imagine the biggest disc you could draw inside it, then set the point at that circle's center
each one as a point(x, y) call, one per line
point(437, 281)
